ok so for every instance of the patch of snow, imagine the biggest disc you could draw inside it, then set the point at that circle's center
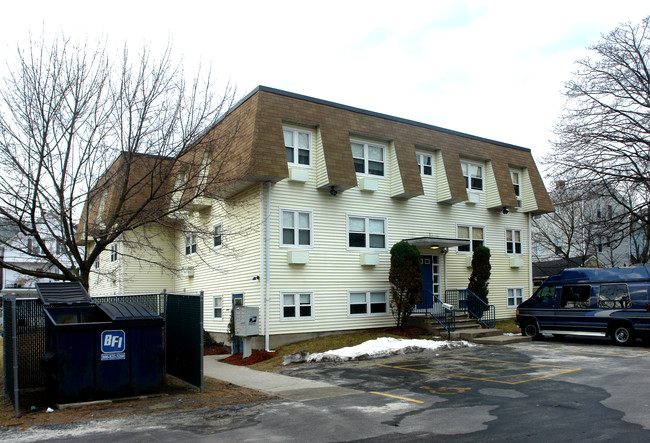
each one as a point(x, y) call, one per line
point(380, 347)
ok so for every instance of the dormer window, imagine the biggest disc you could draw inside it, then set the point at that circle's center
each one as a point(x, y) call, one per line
point(425, 163)
point(515, 176)
point(297, 144)
point(368, 158)
point(473, 174)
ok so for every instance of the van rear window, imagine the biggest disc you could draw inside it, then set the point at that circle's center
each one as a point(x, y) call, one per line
point(614, 297)
point(575, 296)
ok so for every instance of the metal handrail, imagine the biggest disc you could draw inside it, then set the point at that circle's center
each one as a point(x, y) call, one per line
point(443, 313)
point(465, 300)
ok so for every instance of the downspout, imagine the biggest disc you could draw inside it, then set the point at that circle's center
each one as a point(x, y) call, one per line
point(262, 277)
point(530, 255)
point(267, 274)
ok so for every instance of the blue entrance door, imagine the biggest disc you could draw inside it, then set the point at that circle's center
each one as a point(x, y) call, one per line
point(426, 267)
point(430, 268)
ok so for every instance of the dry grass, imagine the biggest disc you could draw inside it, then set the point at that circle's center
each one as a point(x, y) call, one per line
point(508, 326)
point(320, 344)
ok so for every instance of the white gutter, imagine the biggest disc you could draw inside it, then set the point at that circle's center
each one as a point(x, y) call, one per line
point(530, 255)
point(262, 277)
point(267, 274)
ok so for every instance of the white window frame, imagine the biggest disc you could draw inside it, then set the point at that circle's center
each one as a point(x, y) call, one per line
point(464, 164)
point(296, 228)
point(516, 186)
point(190, 244)
point(217, 233)
point(295, 134)
point(368, 303)
point(470, 233)
point(114, 250)
point(297, 303)
point(511, 302)
point(97, 263)
point(421, 156)
point(366, 146)
point(514, 243)
point(367, 219)
point(215, 307)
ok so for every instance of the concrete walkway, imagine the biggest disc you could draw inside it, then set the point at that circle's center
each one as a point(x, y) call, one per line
point(283, 386)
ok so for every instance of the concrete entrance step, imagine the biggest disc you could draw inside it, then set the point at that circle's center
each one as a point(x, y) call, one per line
point(474, 333)
point(501, 339)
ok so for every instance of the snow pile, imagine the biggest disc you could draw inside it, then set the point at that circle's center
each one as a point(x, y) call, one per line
point(380, 347)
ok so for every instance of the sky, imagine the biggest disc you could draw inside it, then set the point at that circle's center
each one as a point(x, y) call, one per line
point(493, 69)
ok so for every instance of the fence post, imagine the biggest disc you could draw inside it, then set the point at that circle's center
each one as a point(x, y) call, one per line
point(14, 350)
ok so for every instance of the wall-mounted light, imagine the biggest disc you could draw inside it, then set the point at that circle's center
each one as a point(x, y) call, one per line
point(333, 191)
point(504, 210)
point(257, 277)
point(434, 247)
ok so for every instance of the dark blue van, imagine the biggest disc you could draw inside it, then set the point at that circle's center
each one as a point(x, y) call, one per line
point(602, 302)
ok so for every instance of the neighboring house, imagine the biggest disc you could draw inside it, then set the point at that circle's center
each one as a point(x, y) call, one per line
point(22, 251)
point(545, 269)
point(319, 194)
point(585, 225)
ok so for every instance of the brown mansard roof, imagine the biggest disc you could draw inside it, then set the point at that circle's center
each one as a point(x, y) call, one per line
point(247, 146)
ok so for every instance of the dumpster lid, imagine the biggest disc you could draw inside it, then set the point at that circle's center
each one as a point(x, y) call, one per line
point(128, 311)
point(63, 293)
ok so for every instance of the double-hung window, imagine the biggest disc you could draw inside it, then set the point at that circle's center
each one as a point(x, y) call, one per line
point(364, 303)
point(513, 241)
point(473, 174)
point(425, 163)
point(296, 228)
point(472, 233)
point(218, 307)
point(515, 177)
point(190, 244)
point(515, 297)
point(297, 305)
point(217, 236)
point(114, 252)
point(368, 158)
point(366, 232)
point(297, 144)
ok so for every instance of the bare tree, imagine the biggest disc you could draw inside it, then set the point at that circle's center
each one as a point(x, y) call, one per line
point(603, 138)
point(585, 224)
point(93, 147)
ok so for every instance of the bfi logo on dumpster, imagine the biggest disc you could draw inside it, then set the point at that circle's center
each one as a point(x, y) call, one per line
point(113, 345)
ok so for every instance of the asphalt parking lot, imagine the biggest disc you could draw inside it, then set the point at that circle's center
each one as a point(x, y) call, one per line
point(544, 390)
point(549, 390)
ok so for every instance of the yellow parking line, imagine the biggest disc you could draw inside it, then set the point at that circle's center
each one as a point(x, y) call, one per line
point(546, 370)
point(395, 396)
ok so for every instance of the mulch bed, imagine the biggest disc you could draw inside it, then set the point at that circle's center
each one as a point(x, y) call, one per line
point(408, 332)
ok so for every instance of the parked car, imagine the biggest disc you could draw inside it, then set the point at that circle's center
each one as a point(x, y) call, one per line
point(610, 302)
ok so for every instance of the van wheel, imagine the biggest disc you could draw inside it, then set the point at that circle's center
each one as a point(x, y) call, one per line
point(622, 335)
point(531, 330)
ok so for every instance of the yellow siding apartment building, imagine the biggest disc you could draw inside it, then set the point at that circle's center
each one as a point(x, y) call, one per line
point(317, 194)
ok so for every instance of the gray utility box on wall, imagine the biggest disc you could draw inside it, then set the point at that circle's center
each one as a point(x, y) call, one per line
point(246, 321)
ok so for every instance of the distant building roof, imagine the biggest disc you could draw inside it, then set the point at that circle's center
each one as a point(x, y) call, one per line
point(545, 269)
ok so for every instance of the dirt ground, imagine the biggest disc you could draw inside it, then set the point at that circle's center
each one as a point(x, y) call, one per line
point(175, 396)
